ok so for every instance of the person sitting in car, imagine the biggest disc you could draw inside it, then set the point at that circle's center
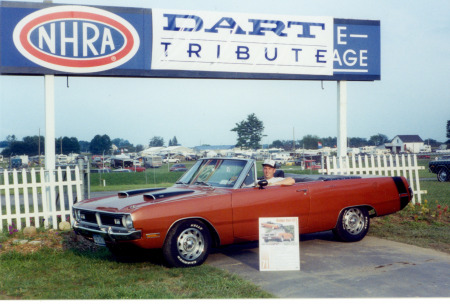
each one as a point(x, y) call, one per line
point(269, 169)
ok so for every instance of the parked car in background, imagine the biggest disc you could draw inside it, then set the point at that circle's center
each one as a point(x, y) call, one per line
point(178, 167)
point(219, 202)
point(441, 167)
point(121, 170)
point(171, 160)
point(135, 168)
point(311, 164)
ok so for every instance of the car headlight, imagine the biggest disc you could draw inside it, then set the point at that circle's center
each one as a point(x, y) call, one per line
point(127, 221)
point(76, 214)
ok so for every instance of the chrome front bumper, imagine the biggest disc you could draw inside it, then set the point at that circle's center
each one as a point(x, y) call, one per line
point(109, 234)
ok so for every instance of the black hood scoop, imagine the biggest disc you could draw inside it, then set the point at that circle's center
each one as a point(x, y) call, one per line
point(164, 194)
point(123, 194)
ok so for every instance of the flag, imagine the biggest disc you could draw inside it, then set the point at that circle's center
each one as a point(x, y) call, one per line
point(319, 145)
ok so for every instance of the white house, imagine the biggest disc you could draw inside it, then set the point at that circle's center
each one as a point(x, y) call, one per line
point(406, 144)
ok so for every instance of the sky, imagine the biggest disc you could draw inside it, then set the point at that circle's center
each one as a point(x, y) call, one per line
point(412, 97)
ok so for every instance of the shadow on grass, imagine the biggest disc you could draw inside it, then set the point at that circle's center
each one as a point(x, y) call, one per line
point(124, 254)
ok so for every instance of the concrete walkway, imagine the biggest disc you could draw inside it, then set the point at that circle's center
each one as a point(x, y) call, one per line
point(329, 269)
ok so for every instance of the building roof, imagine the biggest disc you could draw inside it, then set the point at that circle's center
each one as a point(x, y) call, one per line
point(152, 150)
point(410, 138)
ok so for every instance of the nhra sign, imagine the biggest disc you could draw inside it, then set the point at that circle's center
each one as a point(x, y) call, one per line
point(90, 39)
point(39, 39)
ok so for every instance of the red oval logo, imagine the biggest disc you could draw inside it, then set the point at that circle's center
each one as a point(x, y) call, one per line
point(76, 39)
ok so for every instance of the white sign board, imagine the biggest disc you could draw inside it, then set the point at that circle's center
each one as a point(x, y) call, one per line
point(279, 244)
point(248, 43)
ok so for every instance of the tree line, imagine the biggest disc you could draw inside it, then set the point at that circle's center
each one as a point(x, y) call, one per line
point(249, 136)
point(250, 133)
point(100, 144)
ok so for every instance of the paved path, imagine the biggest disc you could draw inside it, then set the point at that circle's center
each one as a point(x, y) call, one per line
point(371, 268)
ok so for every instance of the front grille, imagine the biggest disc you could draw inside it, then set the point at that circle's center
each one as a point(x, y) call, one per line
point(88, 216)
point(110, 220)
point(107, 219)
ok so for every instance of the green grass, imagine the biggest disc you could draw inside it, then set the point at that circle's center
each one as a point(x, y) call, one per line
point(152, 177)
point(420, 225)
point(72, 274)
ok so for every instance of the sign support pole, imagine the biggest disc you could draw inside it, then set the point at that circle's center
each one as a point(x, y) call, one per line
point(342, 118)
point(50, 158)
point(50, 122)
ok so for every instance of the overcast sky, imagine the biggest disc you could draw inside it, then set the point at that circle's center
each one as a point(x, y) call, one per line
point(412, 97)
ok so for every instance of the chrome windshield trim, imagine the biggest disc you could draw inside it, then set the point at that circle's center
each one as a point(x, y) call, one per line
point(188, 177)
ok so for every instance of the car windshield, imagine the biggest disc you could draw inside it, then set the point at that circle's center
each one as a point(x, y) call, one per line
point(214, 172)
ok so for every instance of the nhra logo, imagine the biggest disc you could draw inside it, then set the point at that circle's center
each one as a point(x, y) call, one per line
point(76, 39)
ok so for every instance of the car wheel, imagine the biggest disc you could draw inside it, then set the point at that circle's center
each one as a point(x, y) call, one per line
point(352, 225)
point(443, 175)
point(187, 244)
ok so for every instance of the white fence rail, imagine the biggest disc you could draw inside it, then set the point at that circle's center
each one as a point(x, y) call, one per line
point(39, 198)
point(404, 165)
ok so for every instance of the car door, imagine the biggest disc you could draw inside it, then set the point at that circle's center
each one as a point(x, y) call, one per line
point(276, 201)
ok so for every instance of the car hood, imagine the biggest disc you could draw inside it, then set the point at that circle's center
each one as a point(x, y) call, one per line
point(129, 201)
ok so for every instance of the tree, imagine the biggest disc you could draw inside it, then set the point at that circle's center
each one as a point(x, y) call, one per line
point(173, 142)
point(378, 140)
point(432, 142)
point(310, 141)
point(69, 145)
point(84, 145)
point(139, 148)
point(100, 144)
point(121, 143)
point(277, 144)
point(329, 141)
point(357, 142)
point(156, 141)
point(249, 132)
point(11, 138)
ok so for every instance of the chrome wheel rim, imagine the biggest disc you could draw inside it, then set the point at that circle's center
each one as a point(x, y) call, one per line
point(353, 221)
point(443, 175)
point(190, 244)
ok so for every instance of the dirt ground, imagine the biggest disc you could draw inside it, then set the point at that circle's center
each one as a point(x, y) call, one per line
point(52, 239)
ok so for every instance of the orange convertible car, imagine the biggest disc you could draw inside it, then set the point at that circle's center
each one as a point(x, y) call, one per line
point(219, 201)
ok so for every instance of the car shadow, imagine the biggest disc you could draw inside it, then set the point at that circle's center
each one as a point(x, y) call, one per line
point(123, 254)
point(245, 253)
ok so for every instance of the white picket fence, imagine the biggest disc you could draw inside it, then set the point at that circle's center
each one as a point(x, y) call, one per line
point(398, 165)
point(39, 198)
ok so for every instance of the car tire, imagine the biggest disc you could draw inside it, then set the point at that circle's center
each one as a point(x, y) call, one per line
point(353, 224)
point(443, 175)
point(187, 244)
